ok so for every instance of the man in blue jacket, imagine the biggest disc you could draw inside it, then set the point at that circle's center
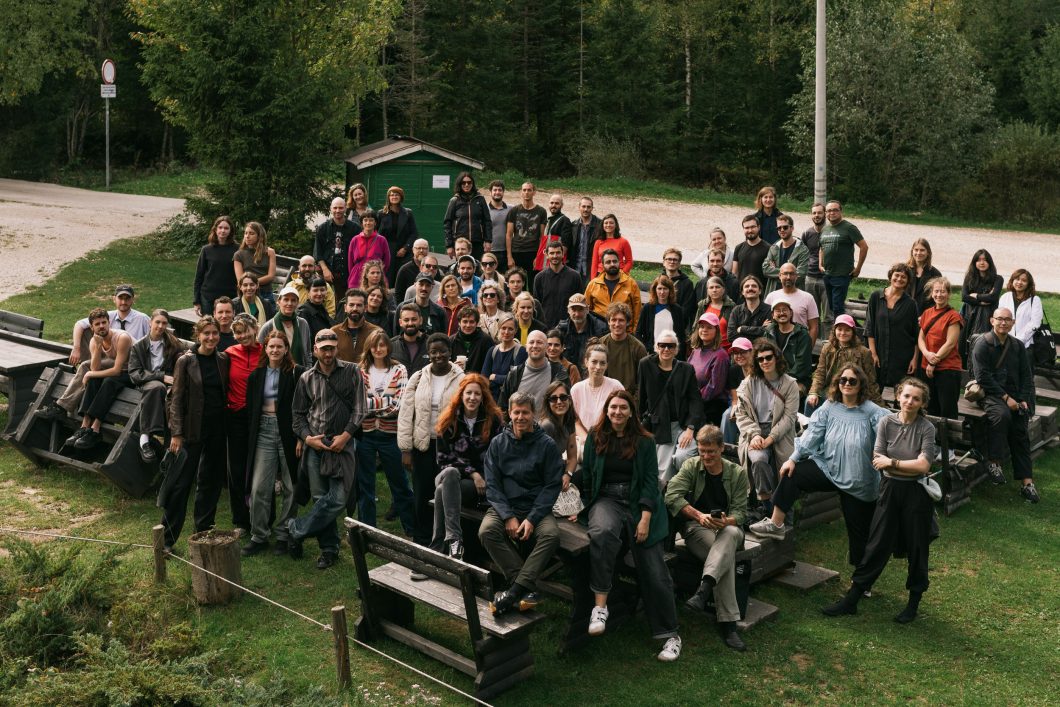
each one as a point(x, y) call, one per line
point(524, 475)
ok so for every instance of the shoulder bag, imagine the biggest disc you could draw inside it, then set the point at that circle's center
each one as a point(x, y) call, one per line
point(973, 392)
point(1043, 345)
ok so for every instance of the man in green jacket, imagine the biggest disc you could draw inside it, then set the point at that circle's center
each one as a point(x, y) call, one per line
point(708, 497)
point(794, 341)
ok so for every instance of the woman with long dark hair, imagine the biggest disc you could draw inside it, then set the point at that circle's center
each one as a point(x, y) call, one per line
point(611, 237)
point(451, 303)
point(662, 313)
point(891, 328)
point(196, 427)
point(273, 446)
point(465, 429)
point(940, 332)
point(980, 294)
point(375, 309)
point(624, 508)
point(214, 276)
point(904, 450)
point(256, 257)
point(1021, 298)
point(373, 274)
point(921, 272)
point(398, 226)
point(467, 215)
point(151, 363)
point(558, 422)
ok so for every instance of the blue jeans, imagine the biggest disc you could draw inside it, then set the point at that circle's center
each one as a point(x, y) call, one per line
point(836, 287)
point(384, 446)
point(730, 432)
point(329, 498)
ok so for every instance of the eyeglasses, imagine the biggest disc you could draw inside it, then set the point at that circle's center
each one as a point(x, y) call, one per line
point(1004, 320)
point(671, 260)
point(429, 266)
point(666, 345)
point(831, 211)
point(765, 358)
point(558, 398)
point(783, 228)
point(843, 380)
point(489, 295)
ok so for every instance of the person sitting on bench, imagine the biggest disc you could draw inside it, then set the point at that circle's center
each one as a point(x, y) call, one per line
point(102, 382)
point(151, 363)
point(708, 498)
point(123, 317)
point(524, 474)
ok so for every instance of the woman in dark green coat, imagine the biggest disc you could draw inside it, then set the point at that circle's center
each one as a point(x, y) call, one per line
point(624, 508)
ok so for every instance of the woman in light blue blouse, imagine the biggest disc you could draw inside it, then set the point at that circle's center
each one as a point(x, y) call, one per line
point(834, 454)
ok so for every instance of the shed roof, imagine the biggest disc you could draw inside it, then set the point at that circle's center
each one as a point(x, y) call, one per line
point(400, 146)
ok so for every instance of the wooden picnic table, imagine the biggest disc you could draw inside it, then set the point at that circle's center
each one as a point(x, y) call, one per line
point(22, 359)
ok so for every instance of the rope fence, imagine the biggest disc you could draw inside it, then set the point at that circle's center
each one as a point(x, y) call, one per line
point(338, 613)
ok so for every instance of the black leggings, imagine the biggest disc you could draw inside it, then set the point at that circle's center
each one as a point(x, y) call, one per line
point(857, 514)
point(902, 521)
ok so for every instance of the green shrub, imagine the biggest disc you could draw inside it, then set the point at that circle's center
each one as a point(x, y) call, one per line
point(604, 156)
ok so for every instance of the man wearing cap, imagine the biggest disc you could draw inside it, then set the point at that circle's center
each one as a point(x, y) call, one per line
point(554, 285)
point(329, 406)
point(303, 281)
point(803, 305)
point(624, 352)
point(353, 331)
point(122, 318)
point(578, 328)
point(794, 341)
point(787, 249)
point(429, 267)
point(432, 316)
point(331, 245)
point(534, 374)
point(612, 286)
point(296, 328)
point(409, 346)
point(406, 274)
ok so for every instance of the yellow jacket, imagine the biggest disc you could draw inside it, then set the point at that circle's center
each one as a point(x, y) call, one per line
point(599, 298)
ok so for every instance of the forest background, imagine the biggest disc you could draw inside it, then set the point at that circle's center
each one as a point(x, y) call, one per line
point(942, 106)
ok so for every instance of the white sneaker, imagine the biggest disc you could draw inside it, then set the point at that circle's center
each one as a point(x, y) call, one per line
point(671, 651)
point(598, 620)
point(765, 528)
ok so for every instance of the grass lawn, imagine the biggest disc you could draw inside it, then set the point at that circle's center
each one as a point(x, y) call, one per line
point(177, 181)
point(989, 631)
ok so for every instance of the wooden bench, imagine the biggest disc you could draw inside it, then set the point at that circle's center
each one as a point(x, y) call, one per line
point(22, 359)
point(21, 324)
point(117, 457)
point(500, 645)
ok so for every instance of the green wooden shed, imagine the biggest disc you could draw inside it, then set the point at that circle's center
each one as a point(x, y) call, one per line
point(426, 172)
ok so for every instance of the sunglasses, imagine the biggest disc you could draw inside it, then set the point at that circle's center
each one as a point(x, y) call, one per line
point(666, 345)
point(558, 398)
point(489, 263)
point(489, 295)
point(766, 358)
point(843, 380)
point(783, 228)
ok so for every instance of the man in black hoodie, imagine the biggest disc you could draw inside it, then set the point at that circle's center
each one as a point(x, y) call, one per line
point(686, 289)
point(524, 475)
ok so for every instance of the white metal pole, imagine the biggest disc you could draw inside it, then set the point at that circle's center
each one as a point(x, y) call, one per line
point(106, 130)
point(820, 137)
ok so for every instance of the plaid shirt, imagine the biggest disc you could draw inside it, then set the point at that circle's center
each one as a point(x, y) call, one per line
point(317, 407)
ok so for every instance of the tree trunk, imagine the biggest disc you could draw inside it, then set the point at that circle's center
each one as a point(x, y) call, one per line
point(218, 552)
point(385, 93)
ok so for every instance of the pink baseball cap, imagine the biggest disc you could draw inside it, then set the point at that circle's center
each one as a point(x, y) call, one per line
point(710, 318)
point(742, 343)
point(844, 319)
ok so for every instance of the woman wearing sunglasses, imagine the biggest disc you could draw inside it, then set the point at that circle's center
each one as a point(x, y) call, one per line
point(834, 454)
point(558, 423)
point(766, 404)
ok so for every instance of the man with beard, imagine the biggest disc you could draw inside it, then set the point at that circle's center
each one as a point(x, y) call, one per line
point(428, 266)
point(811, 238)
point(122, 318)
point(354, 330)
point(686, 291)
point(838, 239)
point(749, 256)
point(557, 229)
point(406, 274)
point(794, 342)
point(424, 297)
point(534, 374)
point(787, 249)
point(303, 280)
point(803, 306)
point(410, 346)
point(467, 279)
point(526, 228)
point(555, 284)
point(624, 352)
point(313, 309)
point(331, 245)
point(584, 233)
point(578, 328)
point(716, 268)
point(613, 286)
point(499, 218)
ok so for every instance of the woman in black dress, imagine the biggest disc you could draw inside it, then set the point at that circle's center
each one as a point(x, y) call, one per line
point(891, 328)
point(214, 276)
point(980, 294)
point(398, 226)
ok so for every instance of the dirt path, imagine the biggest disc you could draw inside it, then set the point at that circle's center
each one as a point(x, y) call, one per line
point(45, 226)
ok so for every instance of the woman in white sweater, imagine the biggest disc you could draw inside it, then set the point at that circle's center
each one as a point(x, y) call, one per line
point(1026, 306)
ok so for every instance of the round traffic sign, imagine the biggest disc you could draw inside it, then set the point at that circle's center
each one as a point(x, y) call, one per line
point(108, 71)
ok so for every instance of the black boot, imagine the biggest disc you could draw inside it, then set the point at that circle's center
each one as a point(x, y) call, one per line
point(698, 601)
point(847, 605)
point(731, 636)
point(909, 612)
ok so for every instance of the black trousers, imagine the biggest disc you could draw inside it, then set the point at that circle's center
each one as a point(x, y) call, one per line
point(945, 390)
point(902, 521)
point(525, 260)
point(100, 394)
point(1008, 436)
point(712, 410)
point(205, 468)
point(237, 429)
point(424, 469)
point(857, 514)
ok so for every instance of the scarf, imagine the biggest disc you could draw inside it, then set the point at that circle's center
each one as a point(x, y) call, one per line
point(257, 305)
point(278, 323)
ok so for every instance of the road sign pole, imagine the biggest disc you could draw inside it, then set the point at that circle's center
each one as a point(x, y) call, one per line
point(107, 90)
point(106, 131)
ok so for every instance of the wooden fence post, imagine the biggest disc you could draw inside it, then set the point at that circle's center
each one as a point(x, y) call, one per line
point(158, 537)
point(342, 645)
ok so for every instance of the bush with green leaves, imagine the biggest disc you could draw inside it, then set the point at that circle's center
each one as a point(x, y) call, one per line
point(605, 157)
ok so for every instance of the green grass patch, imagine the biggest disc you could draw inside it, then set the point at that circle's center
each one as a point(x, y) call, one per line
point(177, 181)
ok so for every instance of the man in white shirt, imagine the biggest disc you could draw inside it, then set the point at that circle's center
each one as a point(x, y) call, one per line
point(122, 318)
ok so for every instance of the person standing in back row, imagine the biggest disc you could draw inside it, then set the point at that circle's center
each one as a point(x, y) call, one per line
point(467, 215)
point(838, 238)
point(331, 245)
point(499, 222)
point(525, 229)
point(749, 256)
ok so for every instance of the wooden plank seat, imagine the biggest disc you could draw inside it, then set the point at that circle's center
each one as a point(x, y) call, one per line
point(117, 457)
point(500, 645)
point(21, 324)
point(22, 359)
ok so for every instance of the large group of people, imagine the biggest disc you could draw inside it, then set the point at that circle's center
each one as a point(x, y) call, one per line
point(531, 368)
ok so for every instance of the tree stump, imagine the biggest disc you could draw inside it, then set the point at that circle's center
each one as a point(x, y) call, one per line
point(216, 551)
